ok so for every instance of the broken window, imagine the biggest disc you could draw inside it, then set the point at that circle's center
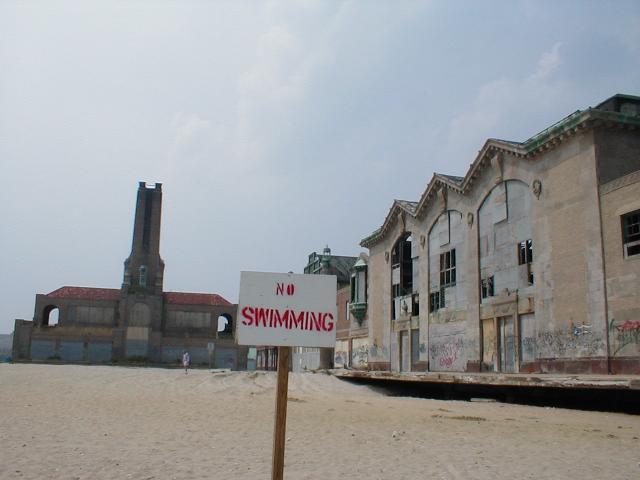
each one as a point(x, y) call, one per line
point(401, 269)
point(353, 288)
point(631, 233)
point(436, 300)
point(415, 305)
point(486, 286)
point(525, 257)
point(448, 268)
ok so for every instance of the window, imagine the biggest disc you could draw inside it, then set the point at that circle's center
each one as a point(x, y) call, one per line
point(448, 268)
point(142, 279)
point(525, 257)
point(225, 325)
point(436, 300)
point(525, 252)
point(487, 287)
point(402, 267)
point(631, 233)
point(359, 287)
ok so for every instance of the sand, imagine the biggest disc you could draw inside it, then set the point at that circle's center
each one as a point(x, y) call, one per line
point(80, 422)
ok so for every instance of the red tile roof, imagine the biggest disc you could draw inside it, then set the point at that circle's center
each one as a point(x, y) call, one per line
point(187, 298)
point(86, 293)
point(175, 298)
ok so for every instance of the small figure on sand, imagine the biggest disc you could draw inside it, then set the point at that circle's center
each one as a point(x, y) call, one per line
point(185, 361)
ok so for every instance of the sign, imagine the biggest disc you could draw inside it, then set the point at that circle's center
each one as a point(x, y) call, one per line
point(211, 346)
point(287, 309)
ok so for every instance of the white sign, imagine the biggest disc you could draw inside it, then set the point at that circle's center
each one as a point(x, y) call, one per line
point(287, 309)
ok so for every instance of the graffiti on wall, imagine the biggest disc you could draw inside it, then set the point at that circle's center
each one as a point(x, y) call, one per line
point(360, 356)
point(448, 354)
point(574, 341)
point(626, 333)
point(583, 329)
point(377, 353)
point(340, 359)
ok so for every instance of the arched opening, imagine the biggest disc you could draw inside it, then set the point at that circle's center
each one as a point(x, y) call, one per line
point(50, 316)
point(225, 325)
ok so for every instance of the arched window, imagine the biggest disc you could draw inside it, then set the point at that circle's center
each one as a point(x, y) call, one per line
point(225, 325)
point(505, 239)
point(50, 316)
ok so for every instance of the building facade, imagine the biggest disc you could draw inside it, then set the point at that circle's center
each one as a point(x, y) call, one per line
point(528, 263)
point(139, 321)
point(352, 339)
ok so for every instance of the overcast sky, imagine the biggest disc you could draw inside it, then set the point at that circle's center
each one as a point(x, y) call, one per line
point(275, 127)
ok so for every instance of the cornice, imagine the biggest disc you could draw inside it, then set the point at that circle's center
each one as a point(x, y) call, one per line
point(541, 143)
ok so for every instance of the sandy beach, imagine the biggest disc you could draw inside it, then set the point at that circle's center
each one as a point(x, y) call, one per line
point(91, 422)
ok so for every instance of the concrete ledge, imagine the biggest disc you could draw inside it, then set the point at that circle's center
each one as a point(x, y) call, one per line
point(599, 382)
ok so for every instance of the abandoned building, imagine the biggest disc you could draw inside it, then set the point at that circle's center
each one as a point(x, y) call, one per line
point(528, 263)
point(138, 321)
point(352, 338)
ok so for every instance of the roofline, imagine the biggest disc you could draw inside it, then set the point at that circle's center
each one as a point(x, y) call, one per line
point(541, 142)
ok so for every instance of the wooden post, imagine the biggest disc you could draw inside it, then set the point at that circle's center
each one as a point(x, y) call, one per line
point(280, 425)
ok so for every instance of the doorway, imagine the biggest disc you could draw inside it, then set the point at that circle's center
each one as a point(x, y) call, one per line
point(405, 352)
point(507, 344)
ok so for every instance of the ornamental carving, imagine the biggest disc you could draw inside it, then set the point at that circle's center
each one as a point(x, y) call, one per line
point(497, 164)
point(537, 188)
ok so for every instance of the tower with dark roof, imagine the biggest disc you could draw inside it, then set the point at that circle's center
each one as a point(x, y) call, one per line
point(144, 269)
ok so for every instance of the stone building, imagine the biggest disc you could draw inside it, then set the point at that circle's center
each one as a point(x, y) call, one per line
point(139, 321)
point(528, 263)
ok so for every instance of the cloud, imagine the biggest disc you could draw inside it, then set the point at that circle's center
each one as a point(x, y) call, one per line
point(499, 105)
point(548, 63)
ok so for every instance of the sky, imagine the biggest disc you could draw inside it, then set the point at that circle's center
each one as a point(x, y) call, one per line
point(276, 128)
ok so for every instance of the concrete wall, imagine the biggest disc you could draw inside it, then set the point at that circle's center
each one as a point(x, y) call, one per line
point(77, 312)
point(560, 323)
point(619, 197)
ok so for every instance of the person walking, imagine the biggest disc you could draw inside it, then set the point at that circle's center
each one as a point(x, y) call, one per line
point(185, 361)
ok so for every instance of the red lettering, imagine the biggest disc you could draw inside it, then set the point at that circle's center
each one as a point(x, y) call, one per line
point(261, 316)
point(289, 319)
point(247, 313)
point(291, 289)
point(280, 321)
point(297, 322)
point(316, 322)
point(329, 327)
point(279, 288)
